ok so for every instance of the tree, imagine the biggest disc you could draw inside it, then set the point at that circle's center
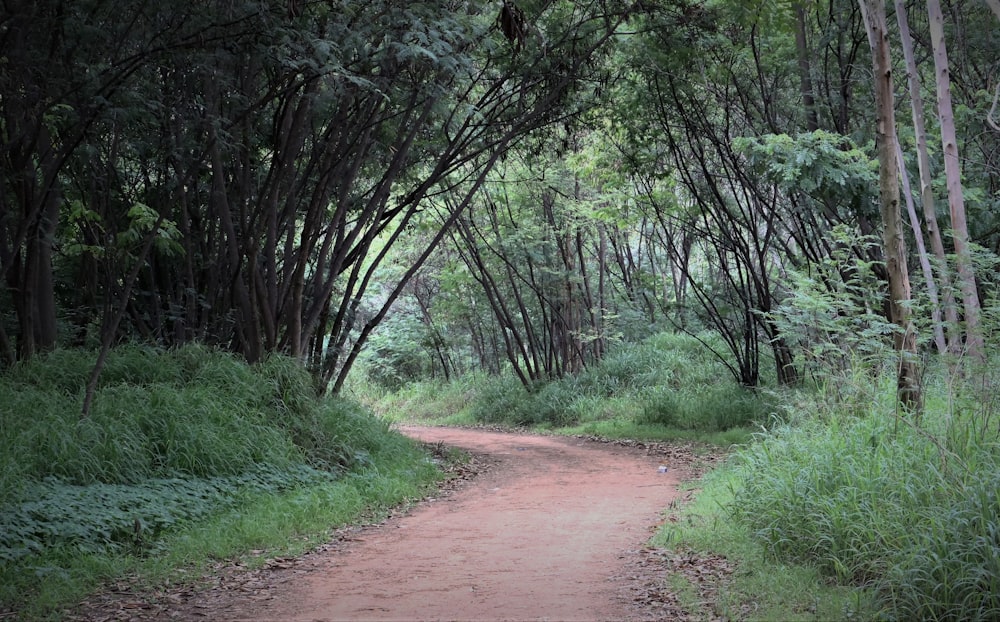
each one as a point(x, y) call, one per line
point(953, 174)
point(908, 382)
point(275, 157)
point(926, 189)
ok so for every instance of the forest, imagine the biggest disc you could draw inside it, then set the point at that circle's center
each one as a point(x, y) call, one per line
point(233, 231)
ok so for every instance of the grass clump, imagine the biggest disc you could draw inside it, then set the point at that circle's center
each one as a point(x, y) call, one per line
point(759, 586)
point(908, 510)
point(176, 441)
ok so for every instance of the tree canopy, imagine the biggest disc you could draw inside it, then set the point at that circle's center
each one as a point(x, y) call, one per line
point(536, 180)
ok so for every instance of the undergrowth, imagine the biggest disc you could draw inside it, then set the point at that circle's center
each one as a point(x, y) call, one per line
point(668, 386)
point(760, 586)
point(176, 440)
point(905, 508)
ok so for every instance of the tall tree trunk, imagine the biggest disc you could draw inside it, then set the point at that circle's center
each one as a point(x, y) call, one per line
point(113, 317)
point(924, 168)
point(805, 67)
point(953, 176)
point(994, 6)
point(908, 381)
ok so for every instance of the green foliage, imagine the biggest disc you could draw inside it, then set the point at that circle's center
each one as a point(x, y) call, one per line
point(499, 400)
point(667, 381)
point(707, 409)
point(427, 400)
point(177, 440)
point(761, 587)
point(190, 412)
point(820, 164)
point(950, 567)
point(108, 517)
point(400, 352)
point(833, 313)
point(871, 500)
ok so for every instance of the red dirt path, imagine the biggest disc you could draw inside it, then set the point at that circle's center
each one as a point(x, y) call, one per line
point(552, 530)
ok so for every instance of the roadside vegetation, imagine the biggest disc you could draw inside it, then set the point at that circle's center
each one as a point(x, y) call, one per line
point(668, 386)
point(835, 503)
point(901, 511)
point(188, 456)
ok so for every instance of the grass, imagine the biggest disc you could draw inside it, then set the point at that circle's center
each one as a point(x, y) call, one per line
point(189, 456)
point(760, 588)
point(665, 388)
point(625, 429)
point(905, 512)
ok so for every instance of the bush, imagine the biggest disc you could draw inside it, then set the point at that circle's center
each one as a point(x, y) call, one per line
point(191, 412)
point(669, 380)
point(718, 407)
point(503, 401)
point(102, 517)
point(662, 406)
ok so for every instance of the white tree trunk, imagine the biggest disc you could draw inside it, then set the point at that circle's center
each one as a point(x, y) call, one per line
point(953, 176)
point(926, 190)
point(925, 263)
point(995, 6)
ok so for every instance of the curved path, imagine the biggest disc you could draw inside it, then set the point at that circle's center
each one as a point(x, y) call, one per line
point(551, 528)
point(538, 537)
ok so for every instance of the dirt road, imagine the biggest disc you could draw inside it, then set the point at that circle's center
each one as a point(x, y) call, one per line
point(550, 531)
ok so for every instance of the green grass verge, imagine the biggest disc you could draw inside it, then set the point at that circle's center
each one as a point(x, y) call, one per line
point(188, 456)
point(761, 587)
point(259, 527)
point(901, 506)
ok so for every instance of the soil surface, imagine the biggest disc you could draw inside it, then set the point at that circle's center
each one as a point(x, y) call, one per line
point(535, 528)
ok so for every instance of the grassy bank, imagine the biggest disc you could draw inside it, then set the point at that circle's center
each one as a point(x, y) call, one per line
point(879, 514)
point(188, 456)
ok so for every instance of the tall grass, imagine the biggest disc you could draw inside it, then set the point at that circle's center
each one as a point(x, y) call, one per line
point(174, 439)
point(760, 587)
point(906, 508)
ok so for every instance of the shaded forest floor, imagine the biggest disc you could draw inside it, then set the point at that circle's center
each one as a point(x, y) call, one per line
point(529, 527)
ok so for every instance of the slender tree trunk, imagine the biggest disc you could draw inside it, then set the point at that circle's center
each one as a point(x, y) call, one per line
point(805, 67)
point(926, 177)
point(994, 6)
point(925, 263)
point(600, 344)
point(109, 326)
point(953, 175)
point(908, 381)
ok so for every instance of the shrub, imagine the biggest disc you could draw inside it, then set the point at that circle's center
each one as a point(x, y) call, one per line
point(501, 400)
point(661, 406)
point(717, 407)
point(669, 380)
point(189, 412)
